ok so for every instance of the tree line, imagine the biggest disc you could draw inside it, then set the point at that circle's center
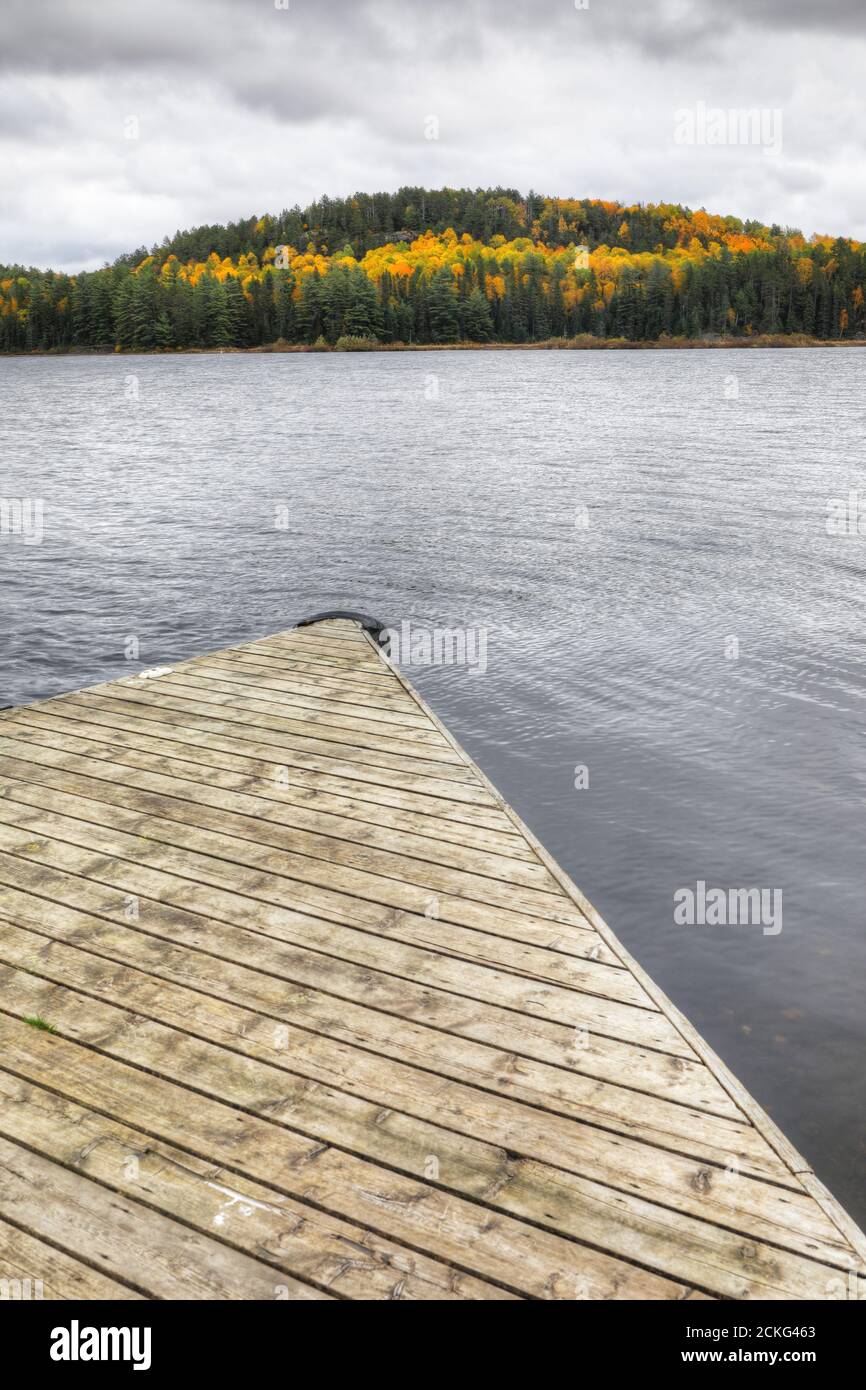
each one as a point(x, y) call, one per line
point(444, 266)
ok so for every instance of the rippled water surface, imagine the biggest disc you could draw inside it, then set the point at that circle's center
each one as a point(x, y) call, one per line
point(448, 489)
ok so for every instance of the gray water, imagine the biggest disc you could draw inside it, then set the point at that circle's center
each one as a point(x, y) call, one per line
point(613, 520)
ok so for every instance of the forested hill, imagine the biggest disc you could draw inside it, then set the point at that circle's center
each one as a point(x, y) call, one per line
point(447, 265)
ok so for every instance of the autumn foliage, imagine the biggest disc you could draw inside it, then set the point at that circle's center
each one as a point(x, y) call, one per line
point(445, 266)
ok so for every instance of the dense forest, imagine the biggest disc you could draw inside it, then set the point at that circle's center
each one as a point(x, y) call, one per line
point(444, 266)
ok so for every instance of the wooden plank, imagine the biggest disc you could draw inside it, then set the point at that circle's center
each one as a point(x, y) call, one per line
point(318, 732)
point(273, 1011)
point(183, 875)
point(439, 778)
point(507, 1178)
point(522, 1258)
point(32, 1270)
point(346, 628)
point(329, 1254)
point(534, 953)
point(303, 773)
point(323, 636)
point(411, 1089)
point(202, 680)
point(620, 1224)
point(290, 934)
point(355, 1004)
point(314, 648)
point(373, 678)
point(302, 792)
point(126, 1240)
point(319, 911)
point(254, 810)
point(304, 859)
point(259, 679)
point(209, 685)
point(319, 637)
point(245, 705)
point(456, 943)
point(507, 884)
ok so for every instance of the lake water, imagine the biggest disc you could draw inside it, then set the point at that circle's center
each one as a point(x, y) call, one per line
point(642, 534)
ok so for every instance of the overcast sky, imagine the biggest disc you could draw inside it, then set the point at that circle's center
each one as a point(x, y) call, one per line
point(243, 107)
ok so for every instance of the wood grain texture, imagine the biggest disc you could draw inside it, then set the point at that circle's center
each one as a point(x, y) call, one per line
point(293, 1005)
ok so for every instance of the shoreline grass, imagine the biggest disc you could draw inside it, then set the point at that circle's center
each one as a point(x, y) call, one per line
point(584, 343)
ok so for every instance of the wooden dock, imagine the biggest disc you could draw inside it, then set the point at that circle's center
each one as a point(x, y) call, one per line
point(292, 1005)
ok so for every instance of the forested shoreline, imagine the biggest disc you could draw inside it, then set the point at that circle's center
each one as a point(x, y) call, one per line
point(448, 267)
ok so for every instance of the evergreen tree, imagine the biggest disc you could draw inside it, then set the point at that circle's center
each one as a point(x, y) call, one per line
point(217, 326)
point(163, 336)
point(143, 311)
point(123, 312)
point(308, 312)
point(364, 315)
point(476, 319)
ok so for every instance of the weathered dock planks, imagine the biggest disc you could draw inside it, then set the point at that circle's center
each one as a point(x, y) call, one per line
point(324, 1020)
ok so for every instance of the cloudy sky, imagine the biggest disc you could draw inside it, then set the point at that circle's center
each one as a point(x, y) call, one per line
point(243, 106)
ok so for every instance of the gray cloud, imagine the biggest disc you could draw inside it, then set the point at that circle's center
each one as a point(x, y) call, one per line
point(242, 107)
point(82, 35)
point(829, 16)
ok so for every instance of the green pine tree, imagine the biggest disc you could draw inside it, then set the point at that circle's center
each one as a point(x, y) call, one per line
point(442, 308)
point(476, 318)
